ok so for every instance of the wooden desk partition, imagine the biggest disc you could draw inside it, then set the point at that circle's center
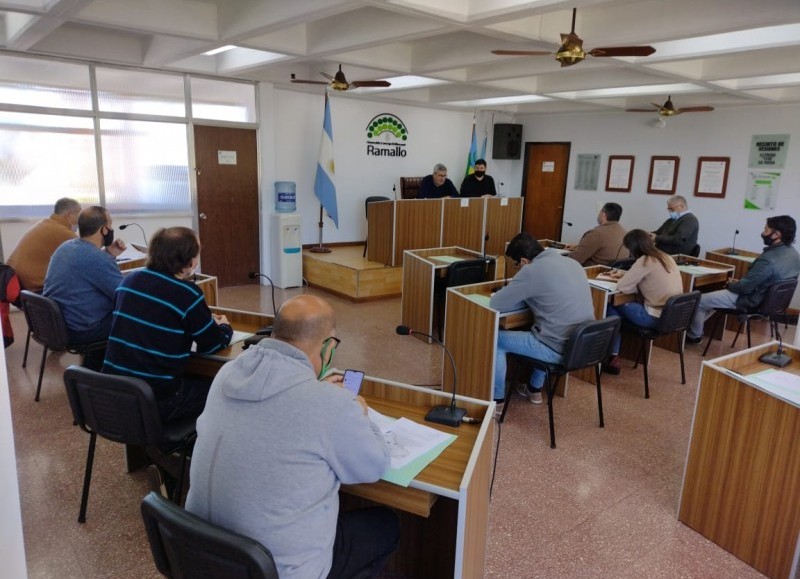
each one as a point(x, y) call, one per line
point(400, 225)
point(740, 261)
point(741, 487)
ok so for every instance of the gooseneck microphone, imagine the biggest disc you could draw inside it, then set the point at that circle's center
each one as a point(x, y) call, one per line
point(126, 225)
point(777, 358)
point(567, 223)
point(253, 275)
point(733, 245)
point(448, 415)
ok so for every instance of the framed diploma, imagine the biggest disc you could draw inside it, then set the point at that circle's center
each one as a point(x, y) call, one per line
point(620, 173)
point(663, 175)
point(712, 177)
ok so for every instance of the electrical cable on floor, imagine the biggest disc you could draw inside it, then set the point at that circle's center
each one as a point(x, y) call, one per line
point(496, 454)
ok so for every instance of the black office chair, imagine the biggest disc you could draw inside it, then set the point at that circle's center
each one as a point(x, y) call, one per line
point(367, 201)
point(589, 345)
point(772, 308)
point(123, 409)
point(623, 264)
point(464, 272)
point(46, 326)
point(676, 317)
point(184, 546)
point(695, 251)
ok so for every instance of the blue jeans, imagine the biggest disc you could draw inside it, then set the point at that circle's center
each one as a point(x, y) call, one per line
point(526, 344)
point(635, 313)
point(708, 303)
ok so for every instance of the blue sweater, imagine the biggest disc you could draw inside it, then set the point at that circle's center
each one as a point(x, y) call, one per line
point(81, 278)
point(156, 319)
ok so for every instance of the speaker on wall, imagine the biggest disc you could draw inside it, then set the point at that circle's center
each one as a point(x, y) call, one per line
point(507, 143)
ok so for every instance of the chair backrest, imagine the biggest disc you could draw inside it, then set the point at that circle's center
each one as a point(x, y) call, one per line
point(624, 264)
point(677, 314)
point(695, 251)
point(119, 408)
point(184, 546)
point(409, 187)
point(779, 296)
point(373, 199)
point(467, 271)
point(45, 321)
point(590, 343)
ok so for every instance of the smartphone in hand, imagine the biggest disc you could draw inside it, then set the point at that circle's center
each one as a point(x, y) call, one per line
point(352, 380)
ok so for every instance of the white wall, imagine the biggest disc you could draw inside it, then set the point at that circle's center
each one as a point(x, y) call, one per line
point(721, 133)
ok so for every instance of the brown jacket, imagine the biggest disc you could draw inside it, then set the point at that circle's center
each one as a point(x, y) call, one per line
point(32, 255)
point(601, 245)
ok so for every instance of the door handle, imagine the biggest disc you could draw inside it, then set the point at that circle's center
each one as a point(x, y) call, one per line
point(203, 216)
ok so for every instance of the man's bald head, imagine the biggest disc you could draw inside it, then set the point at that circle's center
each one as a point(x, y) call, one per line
point(304, 319)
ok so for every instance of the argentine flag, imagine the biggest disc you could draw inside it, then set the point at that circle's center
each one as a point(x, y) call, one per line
point(324, 184)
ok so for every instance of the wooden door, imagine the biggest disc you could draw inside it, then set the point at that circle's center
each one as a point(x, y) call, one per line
point(227, 202)
point(544, 186)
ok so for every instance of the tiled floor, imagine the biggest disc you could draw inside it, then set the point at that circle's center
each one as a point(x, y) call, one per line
point(603, 504)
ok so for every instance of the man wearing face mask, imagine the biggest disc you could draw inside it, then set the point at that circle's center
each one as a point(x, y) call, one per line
point(678, 234)
point(778, 262)
point(33, 252)
point(82, 277)
point(158, 313)
point(275, 443)
point(603, 244)
point(478, 183)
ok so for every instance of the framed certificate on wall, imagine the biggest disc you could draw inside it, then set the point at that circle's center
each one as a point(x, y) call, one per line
point(712, 177)
point(620, 173)
point(663, 175)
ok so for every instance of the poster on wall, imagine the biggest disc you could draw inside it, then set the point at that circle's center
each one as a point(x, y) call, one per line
point(762, 189)
point(768, 151)
point(588, 173)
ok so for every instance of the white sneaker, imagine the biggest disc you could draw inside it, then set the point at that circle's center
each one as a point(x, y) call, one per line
point(533, 396)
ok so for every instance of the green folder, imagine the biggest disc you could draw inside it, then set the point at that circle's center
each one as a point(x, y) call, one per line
point(404, 476)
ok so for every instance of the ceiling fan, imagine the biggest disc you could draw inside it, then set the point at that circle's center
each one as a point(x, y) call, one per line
point(572, 52)
point(669, 110)
point(339, 82)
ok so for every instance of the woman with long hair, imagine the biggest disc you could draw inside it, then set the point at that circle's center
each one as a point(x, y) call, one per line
point(654, 276)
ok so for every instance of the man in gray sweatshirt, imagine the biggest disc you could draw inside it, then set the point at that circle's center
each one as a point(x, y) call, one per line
point(556, 291)
point(274, 443)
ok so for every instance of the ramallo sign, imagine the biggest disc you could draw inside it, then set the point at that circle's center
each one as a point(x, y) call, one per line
point(387, 136)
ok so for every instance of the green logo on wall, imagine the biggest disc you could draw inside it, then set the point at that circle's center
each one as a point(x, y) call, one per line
point(386, 136)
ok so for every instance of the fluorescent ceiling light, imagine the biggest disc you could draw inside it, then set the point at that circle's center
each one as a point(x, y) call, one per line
point(407, 81)
point(678, 88)
point(760, 81)
point(219, 50)
point(728, 42)
point(509, 100)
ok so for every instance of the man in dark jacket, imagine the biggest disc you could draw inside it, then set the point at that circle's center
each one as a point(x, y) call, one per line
point(779, 261)
point(678, 234)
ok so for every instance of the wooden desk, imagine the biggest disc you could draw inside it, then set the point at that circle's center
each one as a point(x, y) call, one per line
point(481, 224)
point(420, 268)
point(445, 510)
point(741, 487)
point(741, 261)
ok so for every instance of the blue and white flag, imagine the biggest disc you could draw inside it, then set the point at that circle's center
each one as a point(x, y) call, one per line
point(473, 151)
point(325, 184)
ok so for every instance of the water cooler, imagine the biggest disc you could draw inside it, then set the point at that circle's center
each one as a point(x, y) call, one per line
point(287, 251)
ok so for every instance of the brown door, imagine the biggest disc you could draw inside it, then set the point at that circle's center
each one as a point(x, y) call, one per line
point(544, 185)
point(227, 202)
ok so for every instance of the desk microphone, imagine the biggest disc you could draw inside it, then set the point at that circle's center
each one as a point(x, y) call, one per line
point(126, 225)
point(567, 223)
point(449, 415)
point(777, 358)
point(394, 192)
point(267, 331)
point(733, 245)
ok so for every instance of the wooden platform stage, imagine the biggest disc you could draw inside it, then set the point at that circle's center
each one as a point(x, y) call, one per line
point(344, 272)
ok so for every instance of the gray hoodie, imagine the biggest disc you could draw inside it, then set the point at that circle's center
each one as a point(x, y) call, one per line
point(273, 446)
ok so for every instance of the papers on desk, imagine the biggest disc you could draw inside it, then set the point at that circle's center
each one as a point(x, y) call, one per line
point(609, 286)
point(448, 258)
point(699, 269)
point(130, 254)
point(479, 299)
point(779, 383)
point(746, 258)
point(412, 446)
point(237, 337)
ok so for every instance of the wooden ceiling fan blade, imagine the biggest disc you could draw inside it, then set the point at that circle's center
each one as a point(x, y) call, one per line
point(696, 109)
point(522, 52)
point(326, 75)
point(623, 51)
point(358, 83)
point(641, 110)
point(298, 81)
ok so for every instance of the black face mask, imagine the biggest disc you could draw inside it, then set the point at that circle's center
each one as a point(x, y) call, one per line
point(108, 237)
point(767, 239)
point(480, 173)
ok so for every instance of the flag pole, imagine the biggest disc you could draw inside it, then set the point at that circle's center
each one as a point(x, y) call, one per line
point(320, 248)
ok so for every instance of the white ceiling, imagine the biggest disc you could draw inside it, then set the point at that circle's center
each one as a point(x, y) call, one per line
point(723, 53)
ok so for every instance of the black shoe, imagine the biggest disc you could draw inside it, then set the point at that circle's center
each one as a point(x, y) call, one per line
point(691, 340)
